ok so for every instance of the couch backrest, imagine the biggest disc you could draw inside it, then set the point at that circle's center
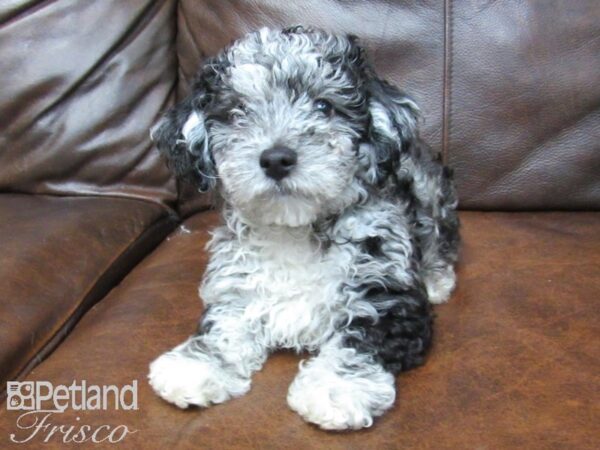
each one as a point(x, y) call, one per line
point(510, 90)
point(81, 83)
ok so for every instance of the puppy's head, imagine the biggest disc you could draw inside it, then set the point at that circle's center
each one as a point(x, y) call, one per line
point(290, 125)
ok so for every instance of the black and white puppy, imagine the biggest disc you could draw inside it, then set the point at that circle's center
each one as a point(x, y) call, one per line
point(339, 226)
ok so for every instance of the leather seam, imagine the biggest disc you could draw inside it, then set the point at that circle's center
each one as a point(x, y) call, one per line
point(447, 80)
point(97, 195)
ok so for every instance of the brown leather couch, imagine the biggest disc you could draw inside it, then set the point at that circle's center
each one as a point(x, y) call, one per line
point(101, 250)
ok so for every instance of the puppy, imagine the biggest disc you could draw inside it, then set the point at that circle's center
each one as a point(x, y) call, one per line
point(339, 226)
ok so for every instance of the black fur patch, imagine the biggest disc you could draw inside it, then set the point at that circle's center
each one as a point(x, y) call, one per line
point(402, 335)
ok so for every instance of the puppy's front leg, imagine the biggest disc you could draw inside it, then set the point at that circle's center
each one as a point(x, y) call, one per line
point(212, 366)
point(351, 380)
point(341, 388)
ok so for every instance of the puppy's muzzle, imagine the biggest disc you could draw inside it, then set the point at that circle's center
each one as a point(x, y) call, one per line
point(278, 162)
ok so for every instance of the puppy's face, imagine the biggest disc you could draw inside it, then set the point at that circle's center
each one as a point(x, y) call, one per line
point(278, 119)
point(284, 124)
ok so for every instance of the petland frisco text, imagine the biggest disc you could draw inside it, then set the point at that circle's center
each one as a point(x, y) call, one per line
point(41, 401)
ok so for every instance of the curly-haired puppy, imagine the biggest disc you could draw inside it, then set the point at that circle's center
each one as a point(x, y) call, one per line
point(339, 226)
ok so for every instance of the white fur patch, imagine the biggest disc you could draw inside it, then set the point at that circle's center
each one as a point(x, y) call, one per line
point(340, 390)
point(193, 129)
point(440, 284)
point(381, 119)
point(184, 380)
point(289, 292)
point(250, 79)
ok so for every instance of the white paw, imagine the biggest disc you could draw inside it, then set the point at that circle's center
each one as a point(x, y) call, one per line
point(440, 284)
point(336, 403)
point(184, 381)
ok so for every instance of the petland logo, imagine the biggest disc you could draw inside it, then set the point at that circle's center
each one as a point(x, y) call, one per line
point(41, 400)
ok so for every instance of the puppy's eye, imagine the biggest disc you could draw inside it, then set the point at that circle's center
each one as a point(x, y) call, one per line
point(324, 106)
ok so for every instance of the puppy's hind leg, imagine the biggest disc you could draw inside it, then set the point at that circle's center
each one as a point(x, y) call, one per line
point(212, 366)
point(440, 282)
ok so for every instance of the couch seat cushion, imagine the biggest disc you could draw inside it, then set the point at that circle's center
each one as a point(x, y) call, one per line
point(58, 256)
point(515, 362)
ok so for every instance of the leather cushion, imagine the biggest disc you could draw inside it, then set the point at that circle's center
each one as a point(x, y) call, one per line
point(82, 83)
point(58, 257)
point(514, 362)
point(509, 90)
point(523, 126)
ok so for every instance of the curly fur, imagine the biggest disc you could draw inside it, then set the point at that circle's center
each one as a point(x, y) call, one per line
point(342, 257)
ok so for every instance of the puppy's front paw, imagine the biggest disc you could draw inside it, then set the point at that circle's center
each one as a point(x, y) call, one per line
point(336, 403)
point(184, 381)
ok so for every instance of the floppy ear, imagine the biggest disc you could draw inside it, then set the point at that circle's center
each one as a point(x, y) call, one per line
point(181, 137)
point(392, 130)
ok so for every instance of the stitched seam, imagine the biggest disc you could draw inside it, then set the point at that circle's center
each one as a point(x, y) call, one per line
point(113, 195)
point(447, 78)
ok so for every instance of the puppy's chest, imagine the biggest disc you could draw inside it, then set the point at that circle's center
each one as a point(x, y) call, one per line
point(283, 269)
point(293, 289)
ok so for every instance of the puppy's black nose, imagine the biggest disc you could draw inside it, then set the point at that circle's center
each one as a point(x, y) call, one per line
point(277, 162)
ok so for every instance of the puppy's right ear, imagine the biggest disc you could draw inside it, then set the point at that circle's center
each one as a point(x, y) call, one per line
point(181, 137)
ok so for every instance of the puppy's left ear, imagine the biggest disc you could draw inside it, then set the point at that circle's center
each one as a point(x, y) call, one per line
point(392, 129)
